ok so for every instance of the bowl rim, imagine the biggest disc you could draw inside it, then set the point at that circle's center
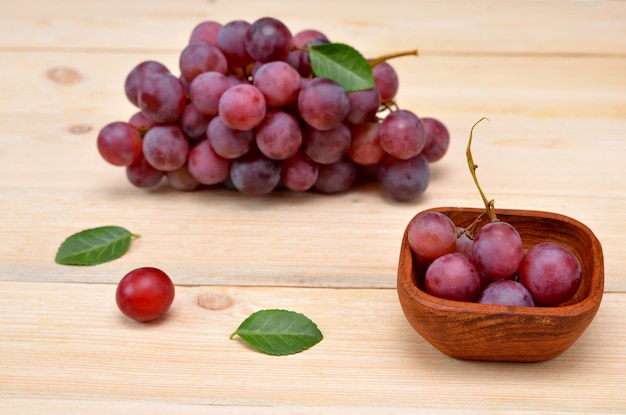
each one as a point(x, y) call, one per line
point(591, 301)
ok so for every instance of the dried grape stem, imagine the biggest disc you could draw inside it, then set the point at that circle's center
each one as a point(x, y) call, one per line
point(489, 204)
point(376, 61)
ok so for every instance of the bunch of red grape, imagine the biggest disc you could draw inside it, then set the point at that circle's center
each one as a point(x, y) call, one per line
point(248, 112)
point(491, 267)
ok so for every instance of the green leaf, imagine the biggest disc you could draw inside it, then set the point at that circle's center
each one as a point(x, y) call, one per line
point(279, 332)
point(343, 64)
point(94, 246)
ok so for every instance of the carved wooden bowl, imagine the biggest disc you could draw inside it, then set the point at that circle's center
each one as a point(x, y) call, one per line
point(472, 331)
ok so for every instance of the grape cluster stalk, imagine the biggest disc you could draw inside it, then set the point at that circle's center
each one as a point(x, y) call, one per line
point(247, 112)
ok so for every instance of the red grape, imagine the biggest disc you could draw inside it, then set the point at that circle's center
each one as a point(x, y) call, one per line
point(299, 173)
point(206, 166)
point(231, 40)
point(162, 98)
point(386, 81)
point(268, 39)
point(336, 177)
point(328, 146)
point(205, 32)
point(136, 76)
point(498, 250)
point(254, 174)
point(437, 139)
point(279, 135)
point(403, 180)
point(165, 147)
point(145, 294)
point(206, 90)
point(551, 273)
point(199, 57)
point(279, 83)
point(402, 135)
point(119, 143)
point(453, 277)
point(242, 107)
point(506, 292)
point(431, 235)
point(142, 174)
point(323, 103)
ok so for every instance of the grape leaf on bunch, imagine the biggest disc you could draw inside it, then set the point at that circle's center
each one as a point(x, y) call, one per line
point(343, 64)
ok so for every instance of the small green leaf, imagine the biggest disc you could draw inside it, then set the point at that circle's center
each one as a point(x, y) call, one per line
point(94, 246)
point(343, 64)
point(279, 332)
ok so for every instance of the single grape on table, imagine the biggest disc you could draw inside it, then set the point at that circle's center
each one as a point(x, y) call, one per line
point(246, 110)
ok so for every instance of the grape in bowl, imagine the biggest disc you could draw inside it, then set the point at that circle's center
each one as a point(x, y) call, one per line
point(473, 331)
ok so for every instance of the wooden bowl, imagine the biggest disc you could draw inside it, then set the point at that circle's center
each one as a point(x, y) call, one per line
point(472, 331)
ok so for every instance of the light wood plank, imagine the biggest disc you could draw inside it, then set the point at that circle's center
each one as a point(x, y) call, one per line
point(86, 351)
point(538, 27)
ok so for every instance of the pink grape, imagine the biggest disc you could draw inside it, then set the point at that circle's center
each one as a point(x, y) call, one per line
point(242, 107)
point(194, 123)
point(162, 98)
point(279, 135)
point(182, 179)
point(437, 139)
point(206, 166)
point(226, 142)
point(336, 177)
point(506, 292)
point(199, 57)
point(206, 90)
point(254, 174)
point(143, 175)
point(403, 180)
point(279, 83)
point(365, 148)
point(363, 106)
point(119, 143)
point(268, 39)
point(402, 135)
point(205, 32)
point(498, 250)
point(323, 103)
point(452, 276)
point(165, 147)
point(328, 146)
point(551, 273)
point(231, 40)
point(299, 173)
point(431, 235)
point(136, 76)
point(386, 81)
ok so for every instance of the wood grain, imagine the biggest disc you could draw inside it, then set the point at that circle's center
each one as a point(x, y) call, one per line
point(549, 74)
point(370, 356)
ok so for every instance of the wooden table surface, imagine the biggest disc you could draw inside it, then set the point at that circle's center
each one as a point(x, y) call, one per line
point(550, 76)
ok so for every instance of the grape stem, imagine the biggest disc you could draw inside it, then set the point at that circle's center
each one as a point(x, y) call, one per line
point(376, 61)
point(489, 204)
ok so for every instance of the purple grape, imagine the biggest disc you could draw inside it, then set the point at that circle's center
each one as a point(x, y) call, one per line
point(254, 174)
point(365, 148)
point(231, 40)
point(141, 174)
point(227, 142)
point(242, 107)
point(431, 235)
point(403, 180)
point(323, 103)
point(162, 98)
point(206, 166)
point(205, 32)
point(498, 250)
point(402, 135)
point(363, 106)
point(551, 273)
point(279, 83)
point(206, 90)
point(165, 147)
point(506, 292)
point(452, 276)
point(136, 76)
point(437, 139)
point(386, 81)
point(199, 57)
point(328, 146)
point(279, 135)
point(299, 173)
point(268, 40)
point(119, 143)
point(336, 177)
